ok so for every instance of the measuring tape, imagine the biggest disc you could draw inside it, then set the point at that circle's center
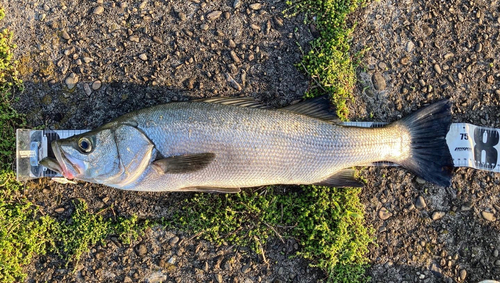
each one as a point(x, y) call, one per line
point(470, 146)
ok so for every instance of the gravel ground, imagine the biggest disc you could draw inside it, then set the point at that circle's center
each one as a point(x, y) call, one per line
point(85, 63)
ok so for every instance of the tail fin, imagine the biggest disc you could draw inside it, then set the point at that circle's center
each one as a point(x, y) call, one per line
point(430, 157)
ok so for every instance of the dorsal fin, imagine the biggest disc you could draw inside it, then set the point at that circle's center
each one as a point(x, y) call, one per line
point(318, 108)
point(236, 101)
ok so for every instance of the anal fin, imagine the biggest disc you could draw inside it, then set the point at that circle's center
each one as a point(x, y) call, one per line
point(343, 178)
point(210, 190)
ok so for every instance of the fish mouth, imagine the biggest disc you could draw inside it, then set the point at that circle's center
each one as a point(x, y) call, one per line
point(61, 163)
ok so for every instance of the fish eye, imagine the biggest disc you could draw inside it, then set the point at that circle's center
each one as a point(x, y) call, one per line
point(85, 145)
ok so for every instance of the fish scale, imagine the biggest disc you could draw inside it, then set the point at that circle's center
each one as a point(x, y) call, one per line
point(254, 147)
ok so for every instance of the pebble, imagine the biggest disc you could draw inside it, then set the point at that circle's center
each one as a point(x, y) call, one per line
point(420, 180)
point(59, 210)
point(86, 88)
point(127, 280)
point(410, 46)
point(235, 57)
point(204, 27)
point(231, 43)
point(420, 202)
point(448, 56)
point(134, 38)
point(174, 240)
point(495, 253)
point(234, 84)
point(383, 213)
point(237, 4)
point(438, 215)
point(65, 35)
point(463, 274)
point(143, 57)
point(182, 16)
point(218, 277)
point(142, 250)
point(479, 47)
point(405, 61)
point(157, 39)
point(71, 80)
point(214, 15)
point(96, 85)
point(378, 81)
point(488, 215)
point(255, 27)
point(255, 6)
point(437, 68)
point(497, 262)
point(98, 10)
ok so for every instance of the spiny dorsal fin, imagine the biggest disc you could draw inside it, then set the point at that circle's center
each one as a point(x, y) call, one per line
point(210, 190)
point(343, 178)
point(184, 163)
point(236, 101)
point(318, 108)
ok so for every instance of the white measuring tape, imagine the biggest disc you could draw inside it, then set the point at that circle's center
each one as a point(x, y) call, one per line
point(470, 146)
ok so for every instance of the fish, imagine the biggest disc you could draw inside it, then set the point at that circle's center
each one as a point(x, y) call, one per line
point(225, 144)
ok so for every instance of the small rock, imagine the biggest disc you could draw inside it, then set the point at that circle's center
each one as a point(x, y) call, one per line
point(495, 253)
point(410, 46)
point(383, 213)
point(171, 260)
point(488, 215)
point(234, 84)
point(98, 10)
point(463, 274)
point(237, 4)
point(96, 85)
point(204, 27)
point(255, 6)
point(235, 57)
point(59, 210)
point(405, 61)
point(134, 38)
point(86, 88)
point(71, 80)
point(378, 81)
point(448, 56)
point(255, 27)
point(65, 35)
point(420, 202)
point(479, 47)
point(219, 278)
point(437, 68)
point(214, 15)
point(142, 250)
point(438, 215)
point(497, 262)
point(231, 43)
point(143, 57)
point(420, 180)
point(157, 39)
point(127, 280)
point(174, 240)
point(182, 16)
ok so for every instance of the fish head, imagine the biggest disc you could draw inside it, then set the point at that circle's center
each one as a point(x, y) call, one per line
point(114, 156)
point(89, 156)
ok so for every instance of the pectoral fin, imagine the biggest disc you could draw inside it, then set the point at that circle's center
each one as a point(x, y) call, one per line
point(344, 178)
point(184, 163)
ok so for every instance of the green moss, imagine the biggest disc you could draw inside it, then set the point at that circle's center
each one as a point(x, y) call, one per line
point(23, 231)
point(329, 63)
point(327, 222)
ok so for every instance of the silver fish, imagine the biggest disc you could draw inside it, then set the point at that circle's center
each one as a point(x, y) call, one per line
point(223, 145)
